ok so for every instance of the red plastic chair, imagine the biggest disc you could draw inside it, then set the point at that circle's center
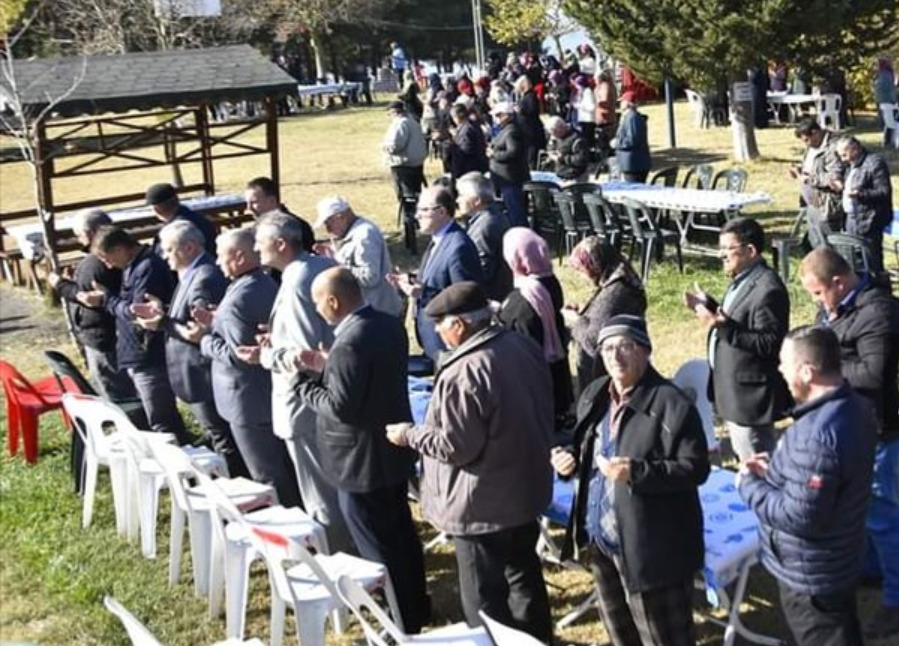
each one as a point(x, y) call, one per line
point(25, 403)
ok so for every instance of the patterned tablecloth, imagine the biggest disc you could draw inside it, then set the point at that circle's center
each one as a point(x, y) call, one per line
point(30, 239)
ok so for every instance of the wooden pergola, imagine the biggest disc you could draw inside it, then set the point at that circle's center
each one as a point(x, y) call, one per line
point(128, 108)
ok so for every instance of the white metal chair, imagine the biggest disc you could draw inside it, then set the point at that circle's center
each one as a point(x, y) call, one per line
point(140, 635)
point(233, 549)
point(89, 416)
point(693, 378)
point(360, 602)
point(828, 106)
point(190, 502)
point(503, 635)
point(890, 114)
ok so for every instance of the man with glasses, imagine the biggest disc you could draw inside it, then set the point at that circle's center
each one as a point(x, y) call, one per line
point(450, 257)
point(744, 335)
point(639, 454)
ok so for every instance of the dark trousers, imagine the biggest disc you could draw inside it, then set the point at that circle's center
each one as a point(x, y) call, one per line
point(639, 178)
point(513, 201)
point(382, 528)
point(821, 620)
point(219, 432)
point(500, 573)
point(267, 459)
point(407, 183)
point(155, 392)
point(659, 617)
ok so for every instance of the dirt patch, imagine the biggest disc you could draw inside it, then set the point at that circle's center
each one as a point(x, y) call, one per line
point(27, 320)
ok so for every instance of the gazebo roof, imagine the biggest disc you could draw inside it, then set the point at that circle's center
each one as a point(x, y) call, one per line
point(148, 80)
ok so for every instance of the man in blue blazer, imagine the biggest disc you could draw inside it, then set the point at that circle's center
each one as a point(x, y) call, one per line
point(200, 284)
point(243, 391)
point(450, 257)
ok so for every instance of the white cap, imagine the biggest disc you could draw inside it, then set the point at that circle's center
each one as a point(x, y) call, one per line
point(503, 107)
point(329, 206)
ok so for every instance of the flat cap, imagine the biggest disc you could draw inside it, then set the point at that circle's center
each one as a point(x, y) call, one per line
point(159, 193)
point(633, 327)
point(458, 298)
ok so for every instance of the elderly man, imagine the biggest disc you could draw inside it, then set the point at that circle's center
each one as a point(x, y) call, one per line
point(821, 170)
point(261, 195)
point(167, 207)
point(865, 317)
point(486, 225)
point(358, 244)
point(640, 454)
point(362, 389)
point(94, 326)
point(508, 153)
point(293, 326)
point(200, 285)
point(243, 392)
point(450, 257)
point(744, 337)
point(406, 150)
point(567, 151)
point(811, 495)
point(867, 195)
point(141, 352)
point(468, 148)
point(486, 472)
point(632, 141)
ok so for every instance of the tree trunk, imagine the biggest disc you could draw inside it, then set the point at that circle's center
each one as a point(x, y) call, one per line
point(317, 54)
point(742, 126)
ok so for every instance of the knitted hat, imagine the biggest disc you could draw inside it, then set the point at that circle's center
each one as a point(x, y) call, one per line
point(633, 327)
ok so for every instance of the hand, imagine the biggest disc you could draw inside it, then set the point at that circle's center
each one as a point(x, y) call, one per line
point(570, 317)
point(563, 461)
point(151, 308)
point(193, 332)
point(696, 297)
point(325, 249)
point(836, 185)
point(757, 465)
point(94, 298)
point(617, 469)
point(248, 353)
point(203, 315)
point(396, 433)
point(408, 285)
point(312, 359)
point(54, 279)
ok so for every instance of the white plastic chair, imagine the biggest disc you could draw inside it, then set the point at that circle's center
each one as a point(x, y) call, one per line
point(232, 545)
point(190, 501)
point(140, 635)
point(828, 106)
point(890, 114)
point(89, 415)
point(503, 635)
point(698, 108)
point(359, 601)
point(310, 586)
point(693, 378)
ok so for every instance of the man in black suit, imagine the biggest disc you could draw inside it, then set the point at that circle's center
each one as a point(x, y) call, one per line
point(200, 284)
point(363, 388)
point(745, 334)
point(243, 391)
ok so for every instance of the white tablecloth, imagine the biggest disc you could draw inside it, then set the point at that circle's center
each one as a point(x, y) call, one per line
point(30, 239)
point(328, 88)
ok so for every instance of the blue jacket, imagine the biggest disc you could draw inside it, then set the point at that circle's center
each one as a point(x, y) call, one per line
point(813, 501)
point(147, 274)
point(632, 150)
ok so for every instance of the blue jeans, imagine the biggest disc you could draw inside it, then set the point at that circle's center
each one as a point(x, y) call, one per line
point(883, 522)
point(513, 200)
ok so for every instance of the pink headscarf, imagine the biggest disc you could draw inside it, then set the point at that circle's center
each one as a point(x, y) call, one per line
point(527, 255)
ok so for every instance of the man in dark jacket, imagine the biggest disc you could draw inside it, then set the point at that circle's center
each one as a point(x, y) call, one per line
point(865, 317)
point(744, 337)
point(632, 141)
point(361, 390)
point(486, 225)
point(94, 326)
point(168, 208)
point(811, 495)
point(468, 148)
point(867, 195)
point(508, 153)
point(567, 151)
point(141, 352)
point(485, 449)
point(820, 172)
point(640, 455)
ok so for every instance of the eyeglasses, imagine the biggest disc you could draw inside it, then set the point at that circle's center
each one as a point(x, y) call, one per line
point(428, 209)
point(625, 348)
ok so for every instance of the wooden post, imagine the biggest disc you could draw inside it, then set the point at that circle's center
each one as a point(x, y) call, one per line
point(271, 141)
point(43, 168)
point(205, 149)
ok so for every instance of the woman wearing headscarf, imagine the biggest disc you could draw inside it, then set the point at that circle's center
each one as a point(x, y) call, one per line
point(534, 308)
point(618, 291)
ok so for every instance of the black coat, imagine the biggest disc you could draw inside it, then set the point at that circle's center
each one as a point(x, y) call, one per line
point(875, 195)
point(658, 511)
point(363, 388)
point(745, 384)
point(486, 229)
point(95, 327)
point(529, 118)
point(509, 162)
point(204, 224)
point(468, 150)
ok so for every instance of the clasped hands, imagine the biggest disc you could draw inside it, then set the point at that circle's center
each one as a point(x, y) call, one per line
point(616, 468)
point(406, 283)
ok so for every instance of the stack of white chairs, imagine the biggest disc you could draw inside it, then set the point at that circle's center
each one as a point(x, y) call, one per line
point(828, 106)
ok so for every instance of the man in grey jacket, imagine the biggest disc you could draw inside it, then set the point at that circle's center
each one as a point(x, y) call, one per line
point(405, 150)
point(485, 448)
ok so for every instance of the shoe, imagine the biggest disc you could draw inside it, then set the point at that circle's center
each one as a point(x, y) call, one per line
point(884, 623)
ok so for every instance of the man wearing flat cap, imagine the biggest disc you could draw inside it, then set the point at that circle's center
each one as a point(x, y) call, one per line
point(358, 244)
point(639, 454)
point(485, 444)
point(168, 208)
point(405, 150)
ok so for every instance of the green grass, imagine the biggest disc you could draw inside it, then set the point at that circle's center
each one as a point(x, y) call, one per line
point(53, 574)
